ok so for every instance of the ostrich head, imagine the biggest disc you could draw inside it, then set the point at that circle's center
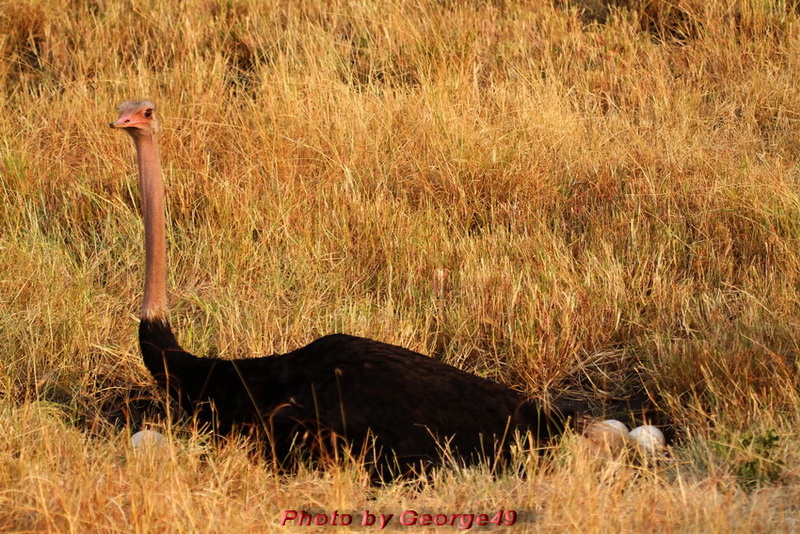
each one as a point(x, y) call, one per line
point(137, 117)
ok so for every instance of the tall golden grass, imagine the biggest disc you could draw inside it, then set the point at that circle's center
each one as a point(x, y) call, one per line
point(599, 197)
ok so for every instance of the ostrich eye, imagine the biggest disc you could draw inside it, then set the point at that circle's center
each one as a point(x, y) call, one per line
point(148, 113)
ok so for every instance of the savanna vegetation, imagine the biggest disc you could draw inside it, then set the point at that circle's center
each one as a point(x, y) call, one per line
point(597, 197)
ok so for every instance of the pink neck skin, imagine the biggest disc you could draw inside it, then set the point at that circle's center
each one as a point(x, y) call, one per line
point(154, 304)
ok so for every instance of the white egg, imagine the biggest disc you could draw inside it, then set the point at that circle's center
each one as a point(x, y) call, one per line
point(147, 438)
point(607, 439)
point(618, 425)
point(649, 438)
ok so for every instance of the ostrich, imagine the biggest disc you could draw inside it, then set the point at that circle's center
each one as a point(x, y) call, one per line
point(401, 408)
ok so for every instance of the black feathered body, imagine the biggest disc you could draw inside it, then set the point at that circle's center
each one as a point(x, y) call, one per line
point(403, 406)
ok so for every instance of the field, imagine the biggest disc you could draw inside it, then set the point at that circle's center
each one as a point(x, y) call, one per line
point(597, 197)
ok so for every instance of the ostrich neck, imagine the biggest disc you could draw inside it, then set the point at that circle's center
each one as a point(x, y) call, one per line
point(154, 304)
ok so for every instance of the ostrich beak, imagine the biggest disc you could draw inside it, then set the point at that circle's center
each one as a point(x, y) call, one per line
point(124, 121)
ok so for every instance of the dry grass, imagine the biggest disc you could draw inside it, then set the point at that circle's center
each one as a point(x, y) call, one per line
point(595, 196)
